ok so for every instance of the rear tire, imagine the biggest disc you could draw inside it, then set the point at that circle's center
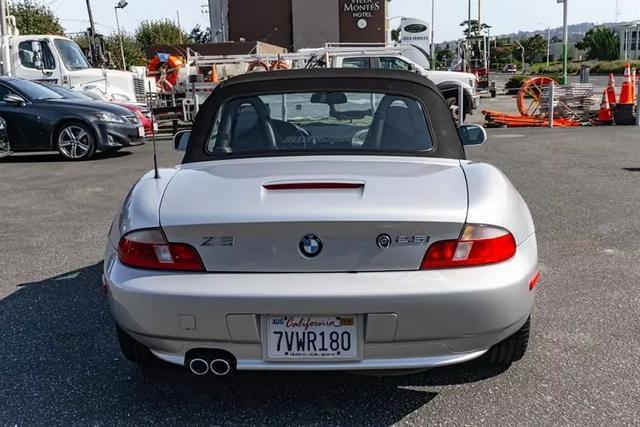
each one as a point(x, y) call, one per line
point(132, 350)
point(510, 349)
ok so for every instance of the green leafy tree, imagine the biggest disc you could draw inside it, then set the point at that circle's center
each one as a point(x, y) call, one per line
point(150, 33)
point(600, 43)
point(35, 18)
point(534, 48)
point(501, 54)
point(395, 34)
point(475, 29)
point(200, 36)
point(133, 53)
point(444, 56)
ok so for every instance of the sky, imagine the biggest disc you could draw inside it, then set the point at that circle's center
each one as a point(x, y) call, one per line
point(505, 16)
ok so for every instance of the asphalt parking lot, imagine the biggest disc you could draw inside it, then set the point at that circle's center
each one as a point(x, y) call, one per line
point(61, 364)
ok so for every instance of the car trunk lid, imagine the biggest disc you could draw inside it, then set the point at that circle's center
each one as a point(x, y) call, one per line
point(357, 213)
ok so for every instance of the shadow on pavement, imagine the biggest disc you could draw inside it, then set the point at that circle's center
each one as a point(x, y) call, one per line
point(57, 158)
point(61, 364)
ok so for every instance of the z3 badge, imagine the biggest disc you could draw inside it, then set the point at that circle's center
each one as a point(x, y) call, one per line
point(385, 241)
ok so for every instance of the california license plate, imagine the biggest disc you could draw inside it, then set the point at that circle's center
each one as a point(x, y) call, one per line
point(141, 132)
point(312, 337)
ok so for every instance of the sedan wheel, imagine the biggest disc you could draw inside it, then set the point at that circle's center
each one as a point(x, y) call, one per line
point(75, 142)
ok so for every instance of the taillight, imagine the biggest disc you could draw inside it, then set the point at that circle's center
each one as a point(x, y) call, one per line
point(478, 245)
point(148, 249)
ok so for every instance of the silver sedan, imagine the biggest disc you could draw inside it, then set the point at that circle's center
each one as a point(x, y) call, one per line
point(323, 220)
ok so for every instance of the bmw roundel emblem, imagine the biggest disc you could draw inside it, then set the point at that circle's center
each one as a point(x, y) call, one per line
point(310, 246)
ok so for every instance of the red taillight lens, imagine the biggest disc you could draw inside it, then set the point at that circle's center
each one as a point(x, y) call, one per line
point(478, 245)
point(148, 249)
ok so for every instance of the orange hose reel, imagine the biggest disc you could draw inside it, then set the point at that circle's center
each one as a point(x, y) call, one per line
point(165, 70)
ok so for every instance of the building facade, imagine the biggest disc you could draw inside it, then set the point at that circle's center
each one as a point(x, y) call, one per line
point(629, 36)
point(295, 24)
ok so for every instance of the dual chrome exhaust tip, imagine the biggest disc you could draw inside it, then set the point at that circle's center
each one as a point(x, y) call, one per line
point(199, 366)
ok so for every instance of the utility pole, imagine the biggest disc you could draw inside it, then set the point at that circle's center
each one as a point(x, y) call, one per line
point(4, 39)
point(464, 59)
point(548, 44)
point(469, 21)
point(121, 5)
point(180, 33)
point(433, 42)
point(92, 36)
point(565, 41)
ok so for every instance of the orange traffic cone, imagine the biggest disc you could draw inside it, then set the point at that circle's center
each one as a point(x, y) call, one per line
point(214, 74)
point(633, 84)
point(626, 94)
point(611, 90)
point(604, 116)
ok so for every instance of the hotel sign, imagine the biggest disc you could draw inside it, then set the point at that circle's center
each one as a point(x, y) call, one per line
point(362, 20)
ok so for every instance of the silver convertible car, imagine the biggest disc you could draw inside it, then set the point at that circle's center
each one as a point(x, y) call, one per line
point(323, 220)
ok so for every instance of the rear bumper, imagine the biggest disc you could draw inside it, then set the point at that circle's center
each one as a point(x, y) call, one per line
point(410, 319)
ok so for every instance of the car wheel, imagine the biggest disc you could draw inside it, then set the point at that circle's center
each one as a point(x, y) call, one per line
point(132, 350)
point(510, 349)
point(75, 142)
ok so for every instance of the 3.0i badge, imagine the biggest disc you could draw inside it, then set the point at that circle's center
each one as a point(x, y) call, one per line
point(310, 246)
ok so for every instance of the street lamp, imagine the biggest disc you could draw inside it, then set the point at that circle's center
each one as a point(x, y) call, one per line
point(548, 41)
point(121, 5)
point(565, 40)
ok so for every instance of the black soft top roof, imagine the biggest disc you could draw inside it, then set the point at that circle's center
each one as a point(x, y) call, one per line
point(329, 73)
point(443, 130)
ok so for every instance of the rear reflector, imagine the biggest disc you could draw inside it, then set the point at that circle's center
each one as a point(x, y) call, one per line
point(149, 250)
point(534, 281)
point(314, 186)
point(478, 245)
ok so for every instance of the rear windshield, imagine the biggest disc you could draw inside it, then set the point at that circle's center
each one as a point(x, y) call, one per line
point(320, 122)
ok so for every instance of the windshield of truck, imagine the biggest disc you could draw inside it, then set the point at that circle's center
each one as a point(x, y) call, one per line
point(320, 121)
point(71, 54)
point(34, 91)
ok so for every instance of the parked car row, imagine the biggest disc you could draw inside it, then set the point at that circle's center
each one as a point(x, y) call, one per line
point(42, 117)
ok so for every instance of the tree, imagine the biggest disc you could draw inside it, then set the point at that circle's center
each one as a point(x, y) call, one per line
point(35, 18)
point(501, 54)
point(151, 33)
point(395, 34)
point(534, 48)
point(600, 43)
point(200, 36)
point(133, 53)
point(475, 30)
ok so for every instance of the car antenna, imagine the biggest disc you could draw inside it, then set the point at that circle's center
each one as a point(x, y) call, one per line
point(156, 174)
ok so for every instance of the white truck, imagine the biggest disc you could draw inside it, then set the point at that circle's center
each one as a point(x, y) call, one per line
point(60, 60)
point(396, 57)
point(193, 87)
